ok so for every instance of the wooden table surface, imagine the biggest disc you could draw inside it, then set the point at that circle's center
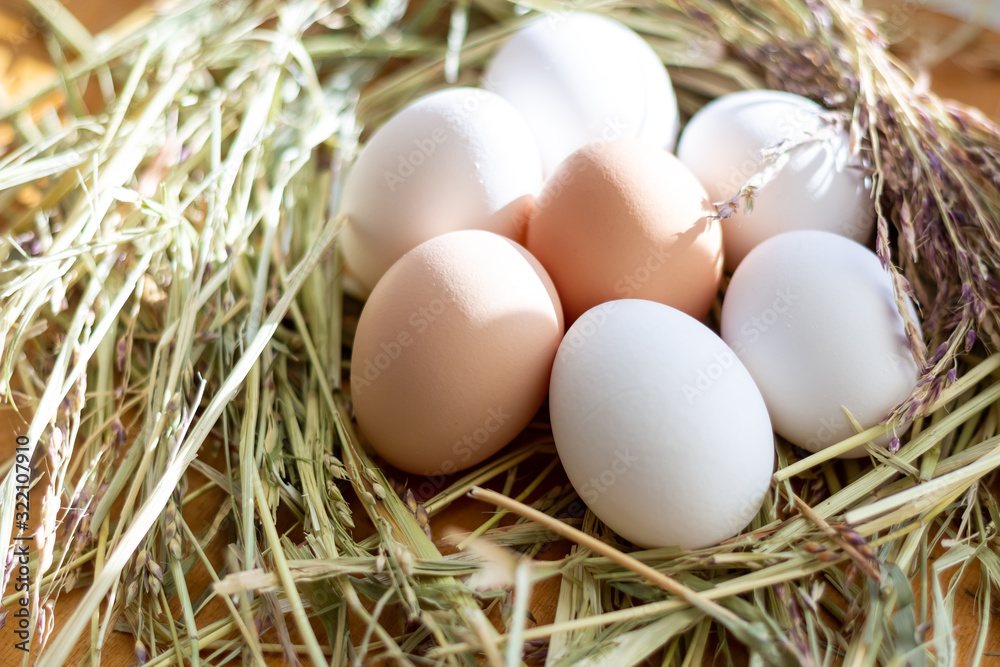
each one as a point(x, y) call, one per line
point(971, 75)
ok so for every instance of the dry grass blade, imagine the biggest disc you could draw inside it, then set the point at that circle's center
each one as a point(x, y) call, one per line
point(173, 300)
point(733, 623)
point(186, 452)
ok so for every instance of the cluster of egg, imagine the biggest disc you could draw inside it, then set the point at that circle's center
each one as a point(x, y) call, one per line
point(538, 238)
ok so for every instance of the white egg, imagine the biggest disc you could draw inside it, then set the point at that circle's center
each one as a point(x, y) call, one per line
point(659, 426)
point(812, 316)
point(455, 159)
point(821, 186)
point(579, 77)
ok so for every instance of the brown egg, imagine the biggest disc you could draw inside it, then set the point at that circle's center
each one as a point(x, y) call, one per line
point(620, 220)
point(453, 352)
point(512, 220)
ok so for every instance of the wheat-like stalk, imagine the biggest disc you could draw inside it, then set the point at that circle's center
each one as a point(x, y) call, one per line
point(171, 288)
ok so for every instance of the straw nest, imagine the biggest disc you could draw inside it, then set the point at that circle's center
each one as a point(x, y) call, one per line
point(172, 303)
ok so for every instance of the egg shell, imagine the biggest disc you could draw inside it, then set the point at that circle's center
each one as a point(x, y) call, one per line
point(659, 426)
point(450, 160)
point(621, 219)
point(577, 77)
point(813, 317)
point(453, 352)
point(821, 186)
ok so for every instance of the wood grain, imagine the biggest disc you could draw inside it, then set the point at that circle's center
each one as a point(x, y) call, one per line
point(971, 75)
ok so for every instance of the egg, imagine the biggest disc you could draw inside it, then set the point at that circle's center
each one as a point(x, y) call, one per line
point(820, 186)
point(579, 77)
point(660, 428)
point(453, 352)
point(621, 219)
point(812, 316)
point(454, 159)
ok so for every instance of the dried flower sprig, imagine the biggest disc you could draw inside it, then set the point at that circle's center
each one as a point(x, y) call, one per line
point(172, 291)
point(936, 168)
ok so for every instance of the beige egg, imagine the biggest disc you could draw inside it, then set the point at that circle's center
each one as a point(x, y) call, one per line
point(453, 352)
point(450, 160)
point(621, 220)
